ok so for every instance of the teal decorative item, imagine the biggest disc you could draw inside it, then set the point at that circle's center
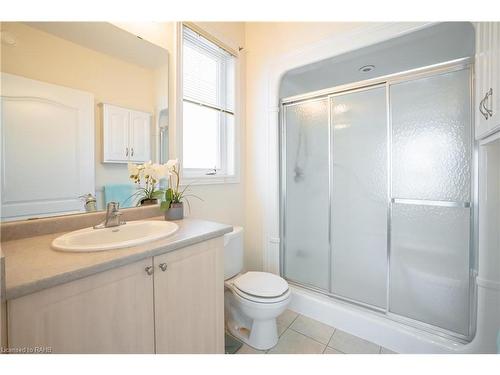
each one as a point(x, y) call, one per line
point(121, 193)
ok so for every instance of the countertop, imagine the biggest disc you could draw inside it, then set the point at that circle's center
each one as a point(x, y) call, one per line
point(32, 265)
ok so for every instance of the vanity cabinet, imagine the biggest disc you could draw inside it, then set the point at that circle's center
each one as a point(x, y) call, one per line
point(487, 74)
point(171, 303)
point(126, 135)
point(189, 299)
point(110, 312)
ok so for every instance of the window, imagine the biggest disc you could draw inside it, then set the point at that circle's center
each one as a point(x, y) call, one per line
point(208, 129)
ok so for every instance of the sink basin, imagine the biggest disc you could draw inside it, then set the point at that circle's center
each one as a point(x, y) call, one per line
point(131, 234)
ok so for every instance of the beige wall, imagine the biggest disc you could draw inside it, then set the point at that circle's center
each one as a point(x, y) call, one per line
point(266, 43)
point(42, 56)
point(158, 33)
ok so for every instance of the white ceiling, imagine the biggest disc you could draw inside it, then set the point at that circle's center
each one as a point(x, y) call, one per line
point(109, 39)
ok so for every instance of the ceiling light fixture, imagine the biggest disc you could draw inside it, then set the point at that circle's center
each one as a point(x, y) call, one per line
point(367, 68)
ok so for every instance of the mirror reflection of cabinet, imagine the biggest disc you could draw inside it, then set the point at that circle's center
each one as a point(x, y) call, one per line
point(47, 148)
point(126, 135)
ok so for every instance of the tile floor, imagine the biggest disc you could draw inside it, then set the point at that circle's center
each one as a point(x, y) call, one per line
point(299, 334)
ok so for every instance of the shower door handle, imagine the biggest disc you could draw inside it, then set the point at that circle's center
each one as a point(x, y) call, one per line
point(428, 202)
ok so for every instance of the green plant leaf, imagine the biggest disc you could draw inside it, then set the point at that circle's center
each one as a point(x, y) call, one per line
point(165, 205)
point(157, 194)
point(169, 194)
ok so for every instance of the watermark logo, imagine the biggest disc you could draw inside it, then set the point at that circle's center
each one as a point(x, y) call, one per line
point(27, 350)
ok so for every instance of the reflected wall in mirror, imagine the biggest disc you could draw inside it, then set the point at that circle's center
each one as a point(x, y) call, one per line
point(79, 101)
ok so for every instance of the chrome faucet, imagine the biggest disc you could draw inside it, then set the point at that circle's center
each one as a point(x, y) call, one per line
point(112, 216)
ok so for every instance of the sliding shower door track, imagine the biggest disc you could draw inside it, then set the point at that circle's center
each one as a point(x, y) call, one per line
point(408, 75)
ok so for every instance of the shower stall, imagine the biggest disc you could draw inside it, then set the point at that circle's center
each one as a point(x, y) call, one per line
point(378, 196)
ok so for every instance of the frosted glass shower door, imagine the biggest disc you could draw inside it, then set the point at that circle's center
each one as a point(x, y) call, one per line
point(431, 191)
point(306, 177)
point(360, 195)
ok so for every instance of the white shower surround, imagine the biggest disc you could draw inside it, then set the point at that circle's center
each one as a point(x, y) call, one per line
point(350, 318)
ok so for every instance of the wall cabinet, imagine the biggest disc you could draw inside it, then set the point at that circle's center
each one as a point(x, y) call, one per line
point(487, 65)
point(126, 135)
point(173, 302)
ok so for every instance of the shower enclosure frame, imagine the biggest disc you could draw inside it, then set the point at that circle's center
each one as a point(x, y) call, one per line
point(386, 81)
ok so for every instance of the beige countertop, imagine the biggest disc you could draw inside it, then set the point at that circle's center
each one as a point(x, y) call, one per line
point(32, 265)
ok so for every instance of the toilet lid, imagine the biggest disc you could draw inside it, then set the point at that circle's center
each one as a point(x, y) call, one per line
point(261, 284)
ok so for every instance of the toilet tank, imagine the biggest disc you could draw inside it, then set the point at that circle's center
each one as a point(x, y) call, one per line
point(233, 252)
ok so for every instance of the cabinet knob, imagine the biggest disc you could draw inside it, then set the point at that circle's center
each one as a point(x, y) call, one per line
point(126, 151)
point(132, 151)
point(163, 266)
point(149, 270)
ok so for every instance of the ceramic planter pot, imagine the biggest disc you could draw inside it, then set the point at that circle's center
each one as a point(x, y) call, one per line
point(175, 212)
point(148, 202)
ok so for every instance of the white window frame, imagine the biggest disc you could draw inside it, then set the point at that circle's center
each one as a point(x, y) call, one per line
point(199, 176)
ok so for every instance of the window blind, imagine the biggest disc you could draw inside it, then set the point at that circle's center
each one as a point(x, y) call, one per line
point(208, 73)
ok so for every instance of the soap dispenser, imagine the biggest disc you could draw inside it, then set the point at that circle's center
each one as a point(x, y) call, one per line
point(90, 202)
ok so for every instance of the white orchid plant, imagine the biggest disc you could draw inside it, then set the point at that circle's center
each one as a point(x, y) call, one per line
point(174, 194)
point(147, 176)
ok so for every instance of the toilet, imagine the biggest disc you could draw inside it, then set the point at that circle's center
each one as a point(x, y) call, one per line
point(252, 300)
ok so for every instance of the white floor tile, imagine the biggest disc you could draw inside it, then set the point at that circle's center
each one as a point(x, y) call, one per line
point(350, 344)
point(292, 342)
point(313, 329)
point(284, 320)
point(329, 350)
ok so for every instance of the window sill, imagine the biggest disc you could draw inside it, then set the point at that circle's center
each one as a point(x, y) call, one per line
point(209, 180)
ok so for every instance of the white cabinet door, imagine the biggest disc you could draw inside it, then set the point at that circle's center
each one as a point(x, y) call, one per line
point(189, 299)
point(487, 67)
point(494, 100)
point(47, 148)
point(110, 312)
point(126, 135)
point(116, 124)
point(140, 136)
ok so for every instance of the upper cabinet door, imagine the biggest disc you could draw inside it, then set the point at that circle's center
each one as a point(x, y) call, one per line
point(140, 134)
point(126, 135)
point(47, 148)
point(116, 134)
point(487, 66)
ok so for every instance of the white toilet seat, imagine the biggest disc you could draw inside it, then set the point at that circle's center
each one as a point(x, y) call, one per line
point(259, 287)
point(261, 300)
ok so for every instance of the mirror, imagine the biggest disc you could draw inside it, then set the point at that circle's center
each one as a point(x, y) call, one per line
point(79, 101)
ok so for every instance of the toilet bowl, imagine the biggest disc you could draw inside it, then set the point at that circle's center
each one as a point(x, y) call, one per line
point(252, 300)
